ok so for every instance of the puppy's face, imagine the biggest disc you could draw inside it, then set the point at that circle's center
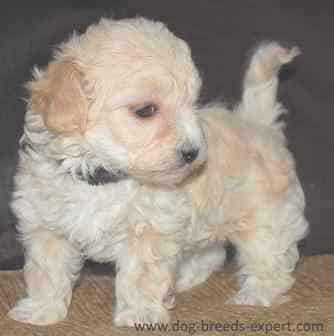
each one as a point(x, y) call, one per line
point(128, 89)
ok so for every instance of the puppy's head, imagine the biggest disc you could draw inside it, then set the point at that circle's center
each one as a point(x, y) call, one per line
point(127, 90)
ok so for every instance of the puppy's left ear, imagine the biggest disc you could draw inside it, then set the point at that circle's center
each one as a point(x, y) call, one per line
point(57, 94)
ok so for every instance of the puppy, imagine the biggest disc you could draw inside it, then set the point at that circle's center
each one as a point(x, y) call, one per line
point(119, 164)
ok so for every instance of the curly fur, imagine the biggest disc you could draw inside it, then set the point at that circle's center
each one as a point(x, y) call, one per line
point(166, 223)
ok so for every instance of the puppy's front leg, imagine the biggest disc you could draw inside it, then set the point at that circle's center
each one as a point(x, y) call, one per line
point(51, 268)
point(144, 282)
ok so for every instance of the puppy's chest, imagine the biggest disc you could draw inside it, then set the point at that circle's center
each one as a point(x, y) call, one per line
point(94, 218)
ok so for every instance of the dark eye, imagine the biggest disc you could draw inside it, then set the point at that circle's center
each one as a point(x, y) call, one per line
point(147, 111)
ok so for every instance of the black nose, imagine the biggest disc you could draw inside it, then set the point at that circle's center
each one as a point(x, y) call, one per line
point(189, 155)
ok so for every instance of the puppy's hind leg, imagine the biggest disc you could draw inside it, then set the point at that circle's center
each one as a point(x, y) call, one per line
point(196, 268)
point(259, 103)
point(267, 253)
point(51, 268)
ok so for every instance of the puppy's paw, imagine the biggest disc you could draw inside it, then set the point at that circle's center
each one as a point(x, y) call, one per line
point(189, 280)
point(197, 268)
point(131, 317)
point(267, 60)
point(37, 312)
point(244, 297)
point(247, 298)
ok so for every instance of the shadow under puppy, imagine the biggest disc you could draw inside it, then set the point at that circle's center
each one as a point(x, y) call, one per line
point(118, 163)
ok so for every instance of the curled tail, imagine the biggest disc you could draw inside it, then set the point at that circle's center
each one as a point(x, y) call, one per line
point(259, 103)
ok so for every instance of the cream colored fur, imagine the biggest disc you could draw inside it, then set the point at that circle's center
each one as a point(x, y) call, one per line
point(165, 225)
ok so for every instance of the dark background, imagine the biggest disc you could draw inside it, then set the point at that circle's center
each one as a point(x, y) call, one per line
point(220, 34)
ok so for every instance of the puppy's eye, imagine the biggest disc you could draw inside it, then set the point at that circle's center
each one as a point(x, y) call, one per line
point(147, 111)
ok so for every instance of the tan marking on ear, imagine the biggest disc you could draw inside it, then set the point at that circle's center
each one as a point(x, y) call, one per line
point(58, 96)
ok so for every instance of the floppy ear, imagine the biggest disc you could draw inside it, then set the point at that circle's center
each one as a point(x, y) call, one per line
point(58, 96)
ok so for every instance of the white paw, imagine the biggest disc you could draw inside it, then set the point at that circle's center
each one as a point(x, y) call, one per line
point(37, 312)
point(130, 317)
point(197, 268)
point(190, 280)
point(245, 297)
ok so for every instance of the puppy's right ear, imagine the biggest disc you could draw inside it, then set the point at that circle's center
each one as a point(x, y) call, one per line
point(57, 94)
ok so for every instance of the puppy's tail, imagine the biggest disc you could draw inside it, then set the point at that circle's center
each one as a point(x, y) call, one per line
point(259, 103)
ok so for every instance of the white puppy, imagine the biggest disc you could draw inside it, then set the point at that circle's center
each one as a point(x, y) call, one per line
point(118, 164)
